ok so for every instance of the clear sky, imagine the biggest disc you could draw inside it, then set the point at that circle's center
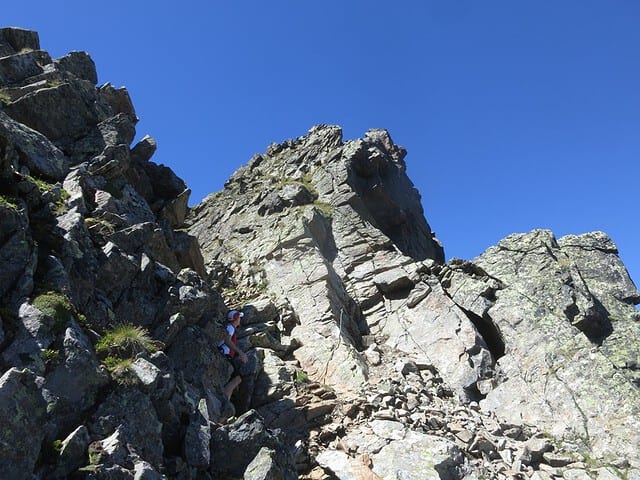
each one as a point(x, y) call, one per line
point(516, 114)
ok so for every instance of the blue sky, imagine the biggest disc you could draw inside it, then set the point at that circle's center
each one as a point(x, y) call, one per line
point(516, 114)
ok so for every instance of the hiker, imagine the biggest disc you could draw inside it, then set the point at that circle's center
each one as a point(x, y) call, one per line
point(229, 348)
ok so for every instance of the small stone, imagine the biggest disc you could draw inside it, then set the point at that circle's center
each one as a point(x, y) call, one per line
point(575, 474)
point(556, 460)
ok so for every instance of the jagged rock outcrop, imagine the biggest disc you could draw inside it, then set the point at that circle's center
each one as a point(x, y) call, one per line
point(335, 232)
point(572, 340)
point(370, 357)
point(539, 331)
point(107, 327)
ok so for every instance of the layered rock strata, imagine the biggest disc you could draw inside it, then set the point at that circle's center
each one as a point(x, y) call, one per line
point(541, 332)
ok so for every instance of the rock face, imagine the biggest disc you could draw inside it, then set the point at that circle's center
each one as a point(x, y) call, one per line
point(91, 240)
point(370, 356)
point(572, 337)
point(541, 332)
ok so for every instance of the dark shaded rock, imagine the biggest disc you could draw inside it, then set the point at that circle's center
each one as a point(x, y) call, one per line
point(118, 99)
point(198, 437)
point(17, 255)
point(72, 387)
point(130, 415)
point(235, 447)
point(13, 40)
point(33, 149)
point(22, 410)
point(78, 64)
point(144, 149)
point(73, 454)
point(63, 113)
point(16, 68)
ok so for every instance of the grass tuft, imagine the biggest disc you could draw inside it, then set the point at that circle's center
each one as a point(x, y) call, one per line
point(126, 341)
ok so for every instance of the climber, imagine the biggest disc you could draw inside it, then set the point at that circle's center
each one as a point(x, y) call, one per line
point(229, 348)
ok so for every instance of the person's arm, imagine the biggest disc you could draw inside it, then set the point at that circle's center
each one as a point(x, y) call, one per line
point(235, 348)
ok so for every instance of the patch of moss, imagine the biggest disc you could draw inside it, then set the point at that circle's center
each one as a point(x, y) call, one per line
point(57, 445)
point(325, 209)
point(100, 226)
point(41, 184)
point(8, 202)
point(5, 98)
point(121, 371)
point(56, 305)
point(49, 355)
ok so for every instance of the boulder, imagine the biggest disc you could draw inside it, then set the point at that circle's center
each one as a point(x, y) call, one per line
point(556, 372)
point(18, 253)
point(22, 410)
point(39, 155)
point(235, 447)
point(127, 424)
point(420, 456)
point(79, 64)
point(13, 40)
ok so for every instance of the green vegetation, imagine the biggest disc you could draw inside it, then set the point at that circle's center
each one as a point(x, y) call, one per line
point(301, 377)
point(5, 98)
point(126, 341)
point(50, 355)
point(325, 209)
point(8, 202)
point(56, 305)
point(99, 225)
point(59, 195)
point(121, 371)
point(119, 346)
point(57, 445)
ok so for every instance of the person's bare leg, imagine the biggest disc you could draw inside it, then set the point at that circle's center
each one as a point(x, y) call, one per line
point(231, 386)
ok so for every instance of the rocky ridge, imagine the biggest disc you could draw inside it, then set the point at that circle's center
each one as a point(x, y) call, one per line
point(374, 358)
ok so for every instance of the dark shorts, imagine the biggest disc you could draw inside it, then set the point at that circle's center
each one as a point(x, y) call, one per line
point(236, 363)
point(244, 369)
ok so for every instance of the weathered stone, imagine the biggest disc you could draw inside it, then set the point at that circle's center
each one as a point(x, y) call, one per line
point(119, 101)
point(571, 392)
point(197, 438)
point(392, 280)
point(234, 447)
point(420, 456)
point(147, 373)
point(418, 294)
point(78, 64)
point(575, 474)
point(265, 467)
point(128, 418)
point(62, 112)
point(144, 149)
point(16, 68)
point(18, 39)
point(73, 454)
point(345, 467)
point(40, 156)
point(22, 410)
point(18, 254)
point(73, 386)
point(556, 460)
